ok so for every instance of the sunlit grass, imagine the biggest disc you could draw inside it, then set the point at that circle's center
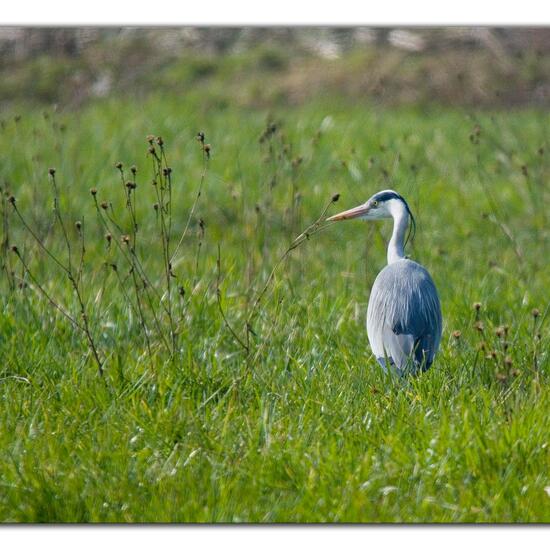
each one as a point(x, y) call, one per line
point(303, 426)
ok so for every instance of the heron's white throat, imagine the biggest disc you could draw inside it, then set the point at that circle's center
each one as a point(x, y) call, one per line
point(400, 215)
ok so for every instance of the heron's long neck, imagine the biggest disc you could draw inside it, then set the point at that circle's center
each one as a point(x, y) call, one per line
point(396, 246)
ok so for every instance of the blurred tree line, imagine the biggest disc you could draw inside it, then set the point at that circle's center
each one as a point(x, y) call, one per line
point(452, 65)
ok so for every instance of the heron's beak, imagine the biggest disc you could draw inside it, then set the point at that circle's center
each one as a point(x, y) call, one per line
point(356, 212)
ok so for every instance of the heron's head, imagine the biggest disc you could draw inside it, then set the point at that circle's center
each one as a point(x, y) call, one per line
point(384, 204)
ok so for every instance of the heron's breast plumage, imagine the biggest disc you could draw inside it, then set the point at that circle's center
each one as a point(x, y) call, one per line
point(404, 314)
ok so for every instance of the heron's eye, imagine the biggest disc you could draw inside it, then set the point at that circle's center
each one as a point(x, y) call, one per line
point(374, 204)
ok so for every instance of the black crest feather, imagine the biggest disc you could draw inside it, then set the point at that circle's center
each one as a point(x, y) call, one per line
point(389, 195)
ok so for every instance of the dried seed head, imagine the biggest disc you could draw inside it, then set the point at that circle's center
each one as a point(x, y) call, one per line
point(150, 138)
point(477, 306)
point(505, 345)
point(133, 169)
point(152, 150)
point(131, 185)
point(500, 332)
point(181, 291)
point(166, 171)
point(14, 249)
point(335, 197)
point(51, 171)
point(104, 205)
point(508, 361)
point(479, 326)
point(516, 372)
point(93, 191)
point(118, 165)
point(535, 312)
point(160, 141)
point(11, 199)
point(156, 206)
point(108, 237)
point(457, 334)
point(207, 150)
point(501, 377)
point(78, 225)
point(297, 161)
point(200, 137)
point(482, 346)
point(125, 239)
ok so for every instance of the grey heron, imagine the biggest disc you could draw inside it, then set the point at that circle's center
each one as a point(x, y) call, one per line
point(404, 314)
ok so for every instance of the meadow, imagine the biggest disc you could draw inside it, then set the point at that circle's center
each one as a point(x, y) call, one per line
point(169, 355)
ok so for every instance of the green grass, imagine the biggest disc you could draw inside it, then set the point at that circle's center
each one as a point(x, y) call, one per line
point(305, 427)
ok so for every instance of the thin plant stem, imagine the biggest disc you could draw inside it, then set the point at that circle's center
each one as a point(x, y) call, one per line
point(194, 205)
point(43, 291)
point(244, 345)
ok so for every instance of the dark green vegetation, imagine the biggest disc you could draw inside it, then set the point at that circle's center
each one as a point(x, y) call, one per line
point(255, 67)
point(302, 426)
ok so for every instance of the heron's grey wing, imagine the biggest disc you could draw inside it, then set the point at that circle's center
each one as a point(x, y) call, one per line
point(404, 316)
